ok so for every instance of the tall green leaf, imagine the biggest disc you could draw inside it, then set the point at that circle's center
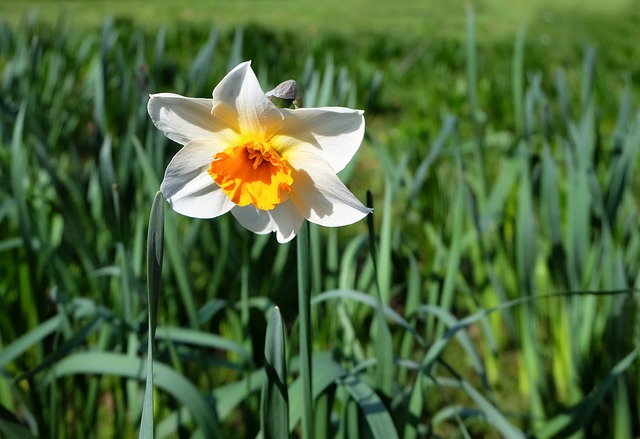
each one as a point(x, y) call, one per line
point(155, 253)
point(306, 338)
point(275, 397)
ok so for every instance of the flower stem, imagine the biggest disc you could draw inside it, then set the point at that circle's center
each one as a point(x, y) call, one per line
point(304, 308)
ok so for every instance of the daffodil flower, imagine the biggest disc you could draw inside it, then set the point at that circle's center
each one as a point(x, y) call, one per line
point(270, 167)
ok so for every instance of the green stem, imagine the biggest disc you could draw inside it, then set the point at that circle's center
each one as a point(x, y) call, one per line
point(304, 307)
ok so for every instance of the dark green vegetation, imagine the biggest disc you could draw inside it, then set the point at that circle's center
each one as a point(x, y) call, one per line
point(503, 175)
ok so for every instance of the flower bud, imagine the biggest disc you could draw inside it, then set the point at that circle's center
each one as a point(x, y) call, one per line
point(286, 94)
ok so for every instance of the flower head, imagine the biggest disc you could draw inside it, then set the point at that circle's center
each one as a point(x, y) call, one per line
point(270, 167)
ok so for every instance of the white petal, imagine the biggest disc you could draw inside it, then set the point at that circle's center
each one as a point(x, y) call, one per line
point(287, 221)
point(188, 187)
point(255, 220)
point(284, 220)
point(319, 194)
point(240, 101)
point(184, 119)
point(333, 133)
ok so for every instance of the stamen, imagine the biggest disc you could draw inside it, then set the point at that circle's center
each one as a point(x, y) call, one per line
point(252, 173)
point(255, 155)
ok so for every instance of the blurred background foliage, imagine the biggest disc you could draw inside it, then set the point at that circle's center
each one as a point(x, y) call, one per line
point(501, 152)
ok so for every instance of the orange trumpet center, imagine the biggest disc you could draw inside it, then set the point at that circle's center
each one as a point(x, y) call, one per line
point(252, 173)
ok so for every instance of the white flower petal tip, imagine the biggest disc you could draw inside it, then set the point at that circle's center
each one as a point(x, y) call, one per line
point(284, 220)
point(321, 197)
point(272, 168)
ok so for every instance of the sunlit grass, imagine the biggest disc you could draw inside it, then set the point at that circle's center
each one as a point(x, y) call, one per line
point(496, 18)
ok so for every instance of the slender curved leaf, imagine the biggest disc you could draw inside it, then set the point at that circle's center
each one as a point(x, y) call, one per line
point(155, 253)
point(275, 397)
point(165, 378)
point(376, 414)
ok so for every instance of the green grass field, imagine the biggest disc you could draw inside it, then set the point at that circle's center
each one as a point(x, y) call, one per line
point(496, 19)
point(493, 294)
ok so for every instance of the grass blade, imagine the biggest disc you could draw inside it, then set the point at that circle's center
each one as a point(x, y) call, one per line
point(10, 426)
point(275, 397)
point(477, 115)
point(26, 341)
point(165, 378)
point(155, 253)
point(75, 341)
point(375, 413)
point(518, 79)
point(366, 299)
point(327, 371)
point(385, 369)
point(304, 315)
point(566, 424)
point(173, 334)
point(493, 415)
point(621, 173)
